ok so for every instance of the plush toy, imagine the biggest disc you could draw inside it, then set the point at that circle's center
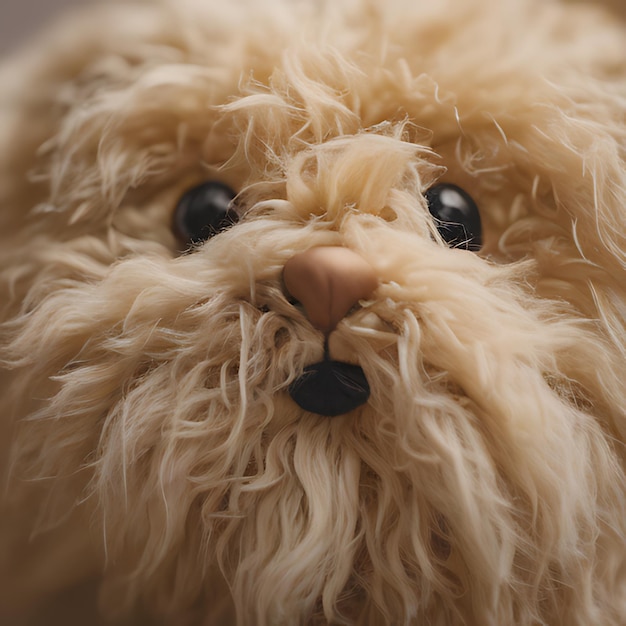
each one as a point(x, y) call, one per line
point(315, 312)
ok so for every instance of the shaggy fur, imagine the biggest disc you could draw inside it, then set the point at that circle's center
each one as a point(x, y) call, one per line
point(149, 445)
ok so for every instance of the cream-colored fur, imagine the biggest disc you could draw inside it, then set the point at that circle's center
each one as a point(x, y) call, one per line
point(149, 446)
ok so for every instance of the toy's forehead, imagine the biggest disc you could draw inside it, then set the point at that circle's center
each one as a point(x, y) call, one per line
point(457, 44)
point(439, 64)
point(167, 88)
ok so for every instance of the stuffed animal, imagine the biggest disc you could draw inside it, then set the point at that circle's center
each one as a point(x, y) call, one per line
point(315, 313)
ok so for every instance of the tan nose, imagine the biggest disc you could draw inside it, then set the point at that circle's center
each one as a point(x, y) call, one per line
point(328, 281)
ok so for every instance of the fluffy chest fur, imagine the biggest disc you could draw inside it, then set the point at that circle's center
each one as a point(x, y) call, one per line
point(152, 448)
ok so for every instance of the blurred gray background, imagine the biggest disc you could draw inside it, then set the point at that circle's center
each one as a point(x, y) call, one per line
point(20, 19)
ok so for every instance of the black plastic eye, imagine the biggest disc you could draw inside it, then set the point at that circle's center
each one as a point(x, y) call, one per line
point(204, 211)
point(456, 216)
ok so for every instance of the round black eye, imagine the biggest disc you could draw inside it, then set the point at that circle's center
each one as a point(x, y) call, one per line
point(204, 211)
point(456, 216)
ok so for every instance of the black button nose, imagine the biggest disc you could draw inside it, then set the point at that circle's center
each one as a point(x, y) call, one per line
point(330, 388)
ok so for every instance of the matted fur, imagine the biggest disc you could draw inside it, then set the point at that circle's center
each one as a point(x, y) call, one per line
point(149, 443)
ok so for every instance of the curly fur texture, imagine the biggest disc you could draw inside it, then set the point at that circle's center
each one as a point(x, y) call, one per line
point(149, 444)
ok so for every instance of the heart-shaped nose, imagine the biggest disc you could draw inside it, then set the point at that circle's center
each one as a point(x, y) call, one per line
point(328, 281)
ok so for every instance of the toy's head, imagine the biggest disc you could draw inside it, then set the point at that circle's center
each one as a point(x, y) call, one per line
point(317, 312)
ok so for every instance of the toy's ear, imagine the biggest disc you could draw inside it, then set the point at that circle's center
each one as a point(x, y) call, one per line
point(41, 83)
point(98, 103)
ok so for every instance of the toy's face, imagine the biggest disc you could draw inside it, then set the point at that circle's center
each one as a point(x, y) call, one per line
point(330, 308)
